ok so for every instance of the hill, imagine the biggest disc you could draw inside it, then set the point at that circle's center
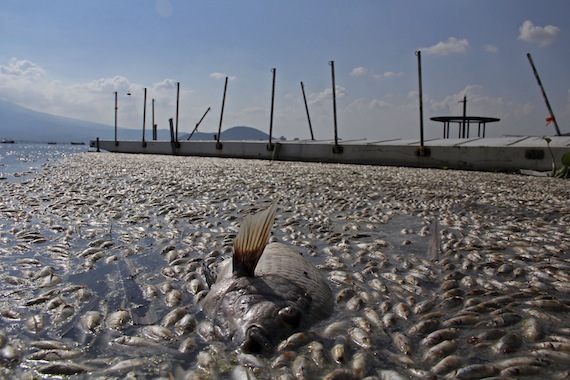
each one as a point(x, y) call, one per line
point(234, 133)
point(23, 124)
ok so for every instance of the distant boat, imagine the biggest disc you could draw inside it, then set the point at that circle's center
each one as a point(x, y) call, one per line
point(52, 143)
point(7, 141)
point(77, 143)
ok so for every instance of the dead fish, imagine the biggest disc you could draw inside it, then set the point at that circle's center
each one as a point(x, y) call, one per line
point(532, 329)
point(440, 350)
point(185, 325)
point(510, 342)
point(294, 341)
point(187, 345)
point(360, 337)
point(3, 338)
point(402, 342)
point(440, 335)
point(35, 323)
point(157, 333)
point(475, 371)
point(266, 291)
point(174, 316)
point(91, 320)
point(118, 319)
point(447, 364)
point(55, 354)
point(62, 368)
point(135, 341)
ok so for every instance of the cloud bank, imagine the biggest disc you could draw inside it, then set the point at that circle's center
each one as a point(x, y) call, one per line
point(541, 35)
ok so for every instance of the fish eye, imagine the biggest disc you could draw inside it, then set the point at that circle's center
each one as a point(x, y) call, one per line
point(291, 315)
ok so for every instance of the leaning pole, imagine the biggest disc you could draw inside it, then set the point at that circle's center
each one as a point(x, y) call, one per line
point(552, 117)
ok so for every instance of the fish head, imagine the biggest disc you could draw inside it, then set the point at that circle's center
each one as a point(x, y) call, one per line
point(259, 317)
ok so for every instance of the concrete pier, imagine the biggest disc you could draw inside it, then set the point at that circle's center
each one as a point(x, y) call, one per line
point(485, 154)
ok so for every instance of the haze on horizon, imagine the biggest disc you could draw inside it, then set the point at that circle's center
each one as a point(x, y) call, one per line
point(68, 58)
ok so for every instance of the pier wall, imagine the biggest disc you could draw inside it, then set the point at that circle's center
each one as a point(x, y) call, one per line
point(495, 154)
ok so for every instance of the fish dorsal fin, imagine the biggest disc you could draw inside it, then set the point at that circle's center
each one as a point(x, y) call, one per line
point(251, 240)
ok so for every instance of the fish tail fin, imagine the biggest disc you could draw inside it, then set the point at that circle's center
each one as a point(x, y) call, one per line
point(251, 240)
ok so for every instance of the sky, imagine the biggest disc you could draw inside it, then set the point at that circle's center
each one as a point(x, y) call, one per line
point(68, 58)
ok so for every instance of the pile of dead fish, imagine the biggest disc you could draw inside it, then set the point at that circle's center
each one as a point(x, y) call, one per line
point(104, 259)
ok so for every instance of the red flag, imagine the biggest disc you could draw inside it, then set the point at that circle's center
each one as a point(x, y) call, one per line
point(549, 120)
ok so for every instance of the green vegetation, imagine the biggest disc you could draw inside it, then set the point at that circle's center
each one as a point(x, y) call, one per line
point(564, 171)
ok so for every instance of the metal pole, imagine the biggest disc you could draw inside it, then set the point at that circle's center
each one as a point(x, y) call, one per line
point(177, 106)
point(144, 117)
point(218, 144)
point(171, 131)
point(153, 125)
point(270, 146)
point(419, 55)
point(463, 124)
point(198, 123)
point(552, 117)
point(464, 115)
point(307, 109)
point(336, 148)
point(116, 108)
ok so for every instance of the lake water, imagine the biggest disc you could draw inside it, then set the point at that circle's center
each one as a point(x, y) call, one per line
point(18, 161)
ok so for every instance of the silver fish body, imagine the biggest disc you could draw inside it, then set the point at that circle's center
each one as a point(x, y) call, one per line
point(287, 294)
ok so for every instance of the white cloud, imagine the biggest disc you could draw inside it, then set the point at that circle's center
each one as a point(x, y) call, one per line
point(359, 71)
point(452, 45)
point(326, 95)
point(361, 104)
point(392, 74)
point(27, 84)
point(22, 69)
point(218, 76)
point(362, 71)
point(540, 35)
point(491, 48)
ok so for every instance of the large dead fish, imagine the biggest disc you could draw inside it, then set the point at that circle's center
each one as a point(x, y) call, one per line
point(265, 291)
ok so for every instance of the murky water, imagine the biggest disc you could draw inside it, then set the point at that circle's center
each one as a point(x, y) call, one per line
point(106, 233)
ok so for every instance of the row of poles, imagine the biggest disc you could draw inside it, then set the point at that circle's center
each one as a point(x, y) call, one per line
point(337, 148)
point(270, 146)
point(174, 125)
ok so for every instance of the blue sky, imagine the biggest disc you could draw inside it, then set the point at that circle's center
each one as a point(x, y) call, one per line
point(68, 57)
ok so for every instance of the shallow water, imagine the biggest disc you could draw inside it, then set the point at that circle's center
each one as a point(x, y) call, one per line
point(504, 242)
point(22, 160)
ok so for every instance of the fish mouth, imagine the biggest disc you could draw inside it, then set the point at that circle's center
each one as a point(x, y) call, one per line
point(256, 340)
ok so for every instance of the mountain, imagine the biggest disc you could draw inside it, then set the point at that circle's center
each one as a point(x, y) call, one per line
point(234, 133)
point(23, 124)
